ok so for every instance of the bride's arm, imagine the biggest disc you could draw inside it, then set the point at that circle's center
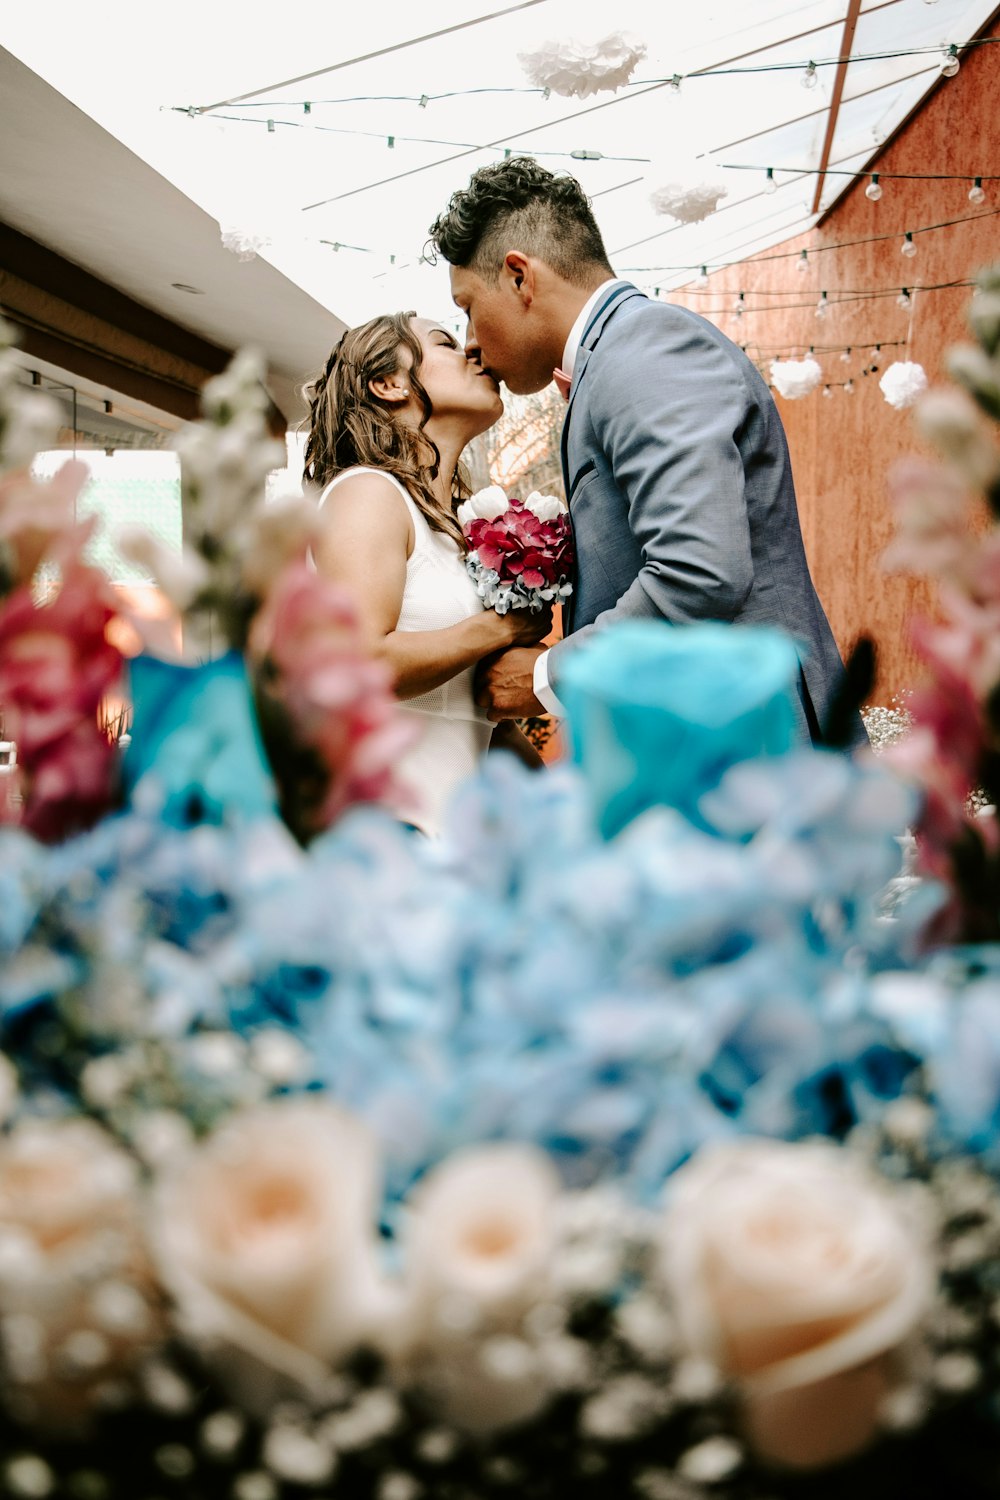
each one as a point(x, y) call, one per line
point(365, 539)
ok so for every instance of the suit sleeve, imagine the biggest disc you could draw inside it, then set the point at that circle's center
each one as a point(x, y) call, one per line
point(667, 405)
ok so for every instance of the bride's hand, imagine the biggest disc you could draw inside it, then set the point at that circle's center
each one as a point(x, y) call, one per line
point(528, 627)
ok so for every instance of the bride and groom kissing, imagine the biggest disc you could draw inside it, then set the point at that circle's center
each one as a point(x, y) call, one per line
point(674, 461)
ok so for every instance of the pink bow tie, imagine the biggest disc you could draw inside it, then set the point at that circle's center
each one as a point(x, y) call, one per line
point(563, 383)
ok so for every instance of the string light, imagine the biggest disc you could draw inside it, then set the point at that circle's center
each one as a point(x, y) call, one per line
point(770, 186)
point(822, 306)
point(802, 264)
point(848, 387)
point(701, 280)
point(674, 83)
point(738, 306)
point(950, 61)
point(976, 194)
point(908, 248)
point(874, 189)
point(845, 357)
point(810, 77)
point(904, 299)
point(827, 392)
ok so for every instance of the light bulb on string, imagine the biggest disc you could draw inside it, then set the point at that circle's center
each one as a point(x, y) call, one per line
point(738, 306)
point(874, 189)
point(845, 356)
point(950, 61)
point(674, 84)
point(849, 388)
point(904, 299)
point(827, 392)
point(701, 280)
point(908, 248)
point(810, 77)
point(770, 186)
point(976, 194)
point(822, 306)
point(802, 264)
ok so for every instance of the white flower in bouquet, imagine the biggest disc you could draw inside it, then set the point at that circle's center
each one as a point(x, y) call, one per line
point(75, 1282)
point(264, 1235)
point(484, 505)
point(545, 507)
point(801, 1277)
point(479, 1242)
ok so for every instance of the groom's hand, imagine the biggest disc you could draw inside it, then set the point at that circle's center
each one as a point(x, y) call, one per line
point(505, 684)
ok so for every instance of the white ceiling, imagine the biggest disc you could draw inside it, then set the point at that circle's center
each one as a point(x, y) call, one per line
point(69, 184)
point(378, 200)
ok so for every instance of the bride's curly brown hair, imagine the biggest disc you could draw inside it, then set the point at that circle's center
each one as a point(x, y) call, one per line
point(349, 425)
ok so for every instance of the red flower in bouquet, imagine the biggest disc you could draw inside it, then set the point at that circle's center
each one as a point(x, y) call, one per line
point(520, 551)
point(56, 666)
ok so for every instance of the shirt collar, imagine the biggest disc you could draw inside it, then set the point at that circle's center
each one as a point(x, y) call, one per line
point(576, 332)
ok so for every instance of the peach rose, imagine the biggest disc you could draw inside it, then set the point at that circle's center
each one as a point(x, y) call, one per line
point(76, 1298)
point(800, 1276)
point(479, 1244)
point(264, 1236)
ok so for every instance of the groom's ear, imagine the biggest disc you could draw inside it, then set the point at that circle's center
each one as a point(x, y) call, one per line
point(520, 272)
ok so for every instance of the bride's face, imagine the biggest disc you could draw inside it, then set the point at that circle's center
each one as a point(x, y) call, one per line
point(456, 386)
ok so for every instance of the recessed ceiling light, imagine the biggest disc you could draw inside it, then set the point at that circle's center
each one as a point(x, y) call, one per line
point(182, 286)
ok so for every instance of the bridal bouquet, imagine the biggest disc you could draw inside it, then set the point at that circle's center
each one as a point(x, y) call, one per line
point(320, 1173)
point(520, 551)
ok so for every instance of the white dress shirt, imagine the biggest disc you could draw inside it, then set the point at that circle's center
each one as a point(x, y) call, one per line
point(543, 692)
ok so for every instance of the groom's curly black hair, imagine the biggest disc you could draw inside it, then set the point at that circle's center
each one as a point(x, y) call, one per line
point(519, 205)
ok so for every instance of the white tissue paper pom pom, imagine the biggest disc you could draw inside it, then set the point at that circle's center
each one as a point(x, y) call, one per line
point(793, 378)
point(577, 69)
point(902, 383)
point(688, 193)
point(242, 242)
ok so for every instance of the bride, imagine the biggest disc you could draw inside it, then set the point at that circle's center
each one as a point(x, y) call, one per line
point(389, 418)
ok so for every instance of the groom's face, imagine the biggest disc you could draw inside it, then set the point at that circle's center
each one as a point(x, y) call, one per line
point(502, 330)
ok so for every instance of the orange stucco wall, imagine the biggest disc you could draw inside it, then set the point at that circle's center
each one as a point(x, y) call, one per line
point(844, 447)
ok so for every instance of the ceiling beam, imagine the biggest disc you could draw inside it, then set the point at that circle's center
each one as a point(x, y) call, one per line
point(840, 78)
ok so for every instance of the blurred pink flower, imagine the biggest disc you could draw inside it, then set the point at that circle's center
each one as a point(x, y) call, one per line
point(338, 699)
point(38, 519)
point(56, 665)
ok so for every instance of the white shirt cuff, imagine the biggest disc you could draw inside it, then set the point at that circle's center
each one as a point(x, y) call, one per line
point(543, 692)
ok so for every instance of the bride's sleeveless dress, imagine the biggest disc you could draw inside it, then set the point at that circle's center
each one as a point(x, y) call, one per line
point(454, 732)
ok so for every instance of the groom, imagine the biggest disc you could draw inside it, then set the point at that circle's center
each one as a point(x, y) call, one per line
point(674, 458)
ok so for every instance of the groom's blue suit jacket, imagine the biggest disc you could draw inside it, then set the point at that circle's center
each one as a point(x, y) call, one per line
point(680, 489)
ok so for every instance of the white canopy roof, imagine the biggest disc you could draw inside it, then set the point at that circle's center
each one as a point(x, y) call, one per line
point(345, 189)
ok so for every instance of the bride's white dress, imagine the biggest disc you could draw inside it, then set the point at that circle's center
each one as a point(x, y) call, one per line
point(454, 732)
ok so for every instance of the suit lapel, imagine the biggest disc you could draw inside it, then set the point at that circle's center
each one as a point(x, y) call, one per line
point(622, 292)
